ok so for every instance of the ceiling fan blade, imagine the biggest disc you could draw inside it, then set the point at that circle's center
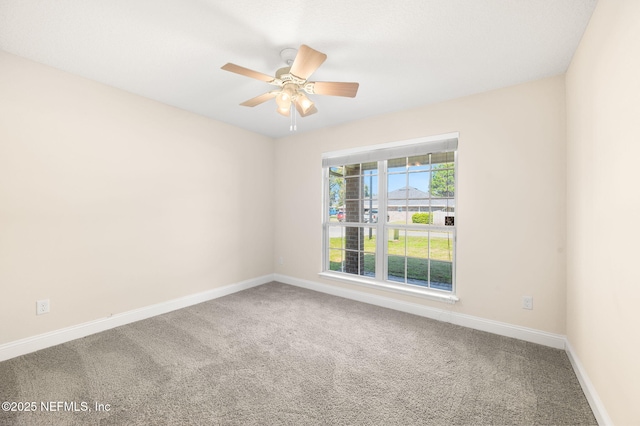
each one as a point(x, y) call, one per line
point(307, 61)
point(335, 89)
point(259, 99)
point(247, 72)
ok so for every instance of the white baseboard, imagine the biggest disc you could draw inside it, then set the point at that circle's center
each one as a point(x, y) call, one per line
point(42, 341)
point(589, 390)
point(503, 329)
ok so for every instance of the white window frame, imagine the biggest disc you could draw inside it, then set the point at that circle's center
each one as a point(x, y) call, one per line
point(381, 153)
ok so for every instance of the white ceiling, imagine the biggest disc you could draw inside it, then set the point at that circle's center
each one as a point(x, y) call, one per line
point(404, 53)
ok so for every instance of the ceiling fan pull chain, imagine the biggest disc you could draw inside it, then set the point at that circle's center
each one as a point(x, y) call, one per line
point(293, 126)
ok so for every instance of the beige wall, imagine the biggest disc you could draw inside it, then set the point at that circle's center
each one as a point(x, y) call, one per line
point(111, 202)
point(603, 148)
point(511, 210)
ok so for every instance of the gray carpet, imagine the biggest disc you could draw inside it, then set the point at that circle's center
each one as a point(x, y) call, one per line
point(278, 354)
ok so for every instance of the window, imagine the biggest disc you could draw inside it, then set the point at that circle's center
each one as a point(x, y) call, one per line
point(389, 216)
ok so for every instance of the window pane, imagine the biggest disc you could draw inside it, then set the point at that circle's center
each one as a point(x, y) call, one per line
point(448, 210)
point(441, 275)
point(396, 268)
point(398, 193)
point(418, 271)
point(336, 260)
point(336, 237)
point(336, 248)
point(419, 162)
point(396, 181)
point(370, 185)
point(409, 192)
point(370, 265)
point(396, 250)
point(353, 191)
point(397, 165)
point(442, 157)
point(441, 254)
point(418, 244)
point(370, 200)
point(442, 179)
point(353, 250)
point(371, 215)
point(370, 167)
point(441, 245)
point(353, 188)
point(442, 182)
point(369, 252)
point(336, 192)
point(352, 211)
point(397, 211)
point(396, 242)
point(352, 169)
point(421, 217)
point(439, 217)
point(420, 182)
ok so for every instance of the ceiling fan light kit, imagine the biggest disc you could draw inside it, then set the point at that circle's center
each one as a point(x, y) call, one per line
point(293, 83)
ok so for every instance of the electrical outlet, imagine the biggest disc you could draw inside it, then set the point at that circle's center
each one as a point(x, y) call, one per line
point(42, 306)
point(281, 260)
point(527, 302)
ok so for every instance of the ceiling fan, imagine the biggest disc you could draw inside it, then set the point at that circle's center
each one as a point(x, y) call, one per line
point(293, 84)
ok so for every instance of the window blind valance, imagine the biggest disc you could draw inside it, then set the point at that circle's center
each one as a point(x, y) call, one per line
point(388, 152)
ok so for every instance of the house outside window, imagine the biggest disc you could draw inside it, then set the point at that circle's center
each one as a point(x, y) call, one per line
point(389, 216)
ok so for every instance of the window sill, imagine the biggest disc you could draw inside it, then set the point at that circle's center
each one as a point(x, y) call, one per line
point(396, 288)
